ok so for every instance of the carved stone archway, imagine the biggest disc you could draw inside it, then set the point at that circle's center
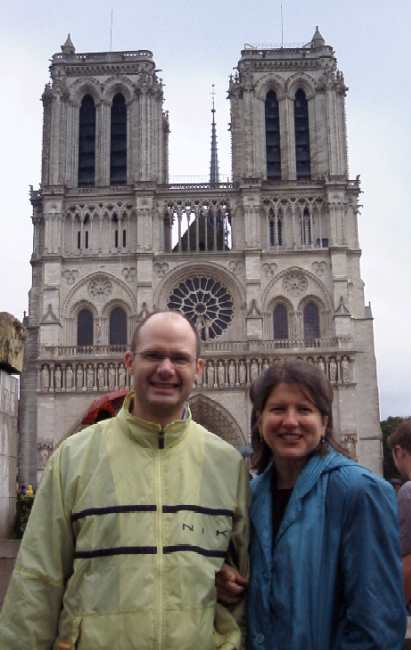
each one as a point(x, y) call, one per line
point(216, 419)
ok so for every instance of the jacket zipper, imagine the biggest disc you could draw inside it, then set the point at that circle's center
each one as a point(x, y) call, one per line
point(160, 539)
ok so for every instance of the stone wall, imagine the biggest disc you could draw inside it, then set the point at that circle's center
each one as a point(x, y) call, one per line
point(8, 451)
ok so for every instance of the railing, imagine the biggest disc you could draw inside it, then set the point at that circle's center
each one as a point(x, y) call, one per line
point(209, 347)
point(67, 351)
point(109, 57)
point(233, 371)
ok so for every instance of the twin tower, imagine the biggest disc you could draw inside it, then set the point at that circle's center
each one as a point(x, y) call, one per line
point(265, 266)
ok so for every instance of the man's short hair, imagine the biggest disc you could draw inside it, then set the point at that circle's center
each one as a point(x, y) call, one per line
point(401, 436)
point(134, 340)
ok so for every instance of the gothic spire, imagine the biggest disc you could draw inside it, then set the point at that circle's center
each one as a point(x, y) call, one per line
point(317, 40)
point(68, 47)
point(214, 175)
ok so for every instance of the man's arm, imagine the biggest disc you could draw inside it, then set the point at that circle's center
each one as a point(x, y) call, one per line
point(371, 580)
point(238, 556)
point(30, 614)
point(404, 510)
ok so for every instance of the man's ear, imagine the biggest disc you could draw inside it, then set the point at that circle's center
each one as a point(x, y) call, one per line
point(128, 359)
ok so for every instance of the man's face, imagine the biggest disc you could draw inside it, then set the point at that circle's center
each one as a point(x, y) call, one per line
point(400, 457)
point(164, 367)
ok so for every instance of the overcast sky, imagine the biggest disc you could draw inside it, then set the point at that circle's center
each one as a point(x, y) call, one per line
point(196, 44)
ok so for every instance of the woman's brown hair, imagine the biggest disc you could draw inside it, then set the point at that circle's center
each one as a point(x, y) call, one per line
point(311, 381)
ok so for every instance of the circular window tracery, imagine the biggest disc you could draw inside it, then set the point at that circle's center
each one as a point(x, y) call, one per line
point(206, 303)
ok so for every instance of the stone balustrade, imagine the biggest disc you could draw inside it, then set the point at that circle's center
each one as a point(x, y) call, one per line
point(232, 372)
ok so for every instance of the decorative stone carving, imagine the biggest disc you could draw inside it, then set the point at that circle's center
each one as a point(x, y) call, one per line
point(69, 378)
point(220, 374)
point(50, 317)
point(79, 378)
point(70, 275)
point(144, 312)
point(111, 376)
point(100, 287)
point(122, 376)
point(90, 377)
point(295, 283)
point(57, 378)
point(254, 370)
point(161, 268)
point(129, 273)
point(101, 379)
point(236, 267)
point(349, 441)
point(44, 378)
point(44, 450)
point(253, 309)
point(242, 372)
point(342, 309)
point(231, 373)
point(269, 270)
point(12, 335)
point(333, 371)
point(319, 267)
point(346, 370)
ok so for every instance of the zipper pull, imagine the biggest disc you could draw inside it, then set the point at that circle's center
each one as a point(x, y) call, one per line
point(161, 435)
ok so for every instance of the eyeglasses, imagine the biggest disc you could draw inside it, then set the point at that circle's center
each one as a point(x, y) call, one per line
point(178, 359)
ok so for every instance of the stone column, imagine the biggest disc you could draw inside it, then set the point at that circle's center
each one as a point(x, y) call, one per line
point(8, 451)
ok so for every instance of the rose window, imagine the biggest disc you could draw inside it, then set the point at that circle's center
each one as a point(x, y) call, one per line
point(206, 303)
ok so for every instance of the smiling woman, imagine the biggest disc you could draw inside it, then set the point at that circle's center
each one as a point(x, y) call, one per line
point(324, 537)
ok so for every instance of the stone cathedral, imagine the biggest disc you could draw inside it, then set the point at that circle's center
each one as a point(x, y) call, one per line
point(266, 266)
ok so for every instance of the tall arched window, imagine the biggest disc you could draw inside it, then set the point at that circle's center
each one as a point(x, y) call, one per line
point(272, 136)
point(280, 318)
point(87, 142)
point(302, 135)
point(118, 157)
point(85, 328)
point(306, 230)
point(311, 322)
point(118, 327)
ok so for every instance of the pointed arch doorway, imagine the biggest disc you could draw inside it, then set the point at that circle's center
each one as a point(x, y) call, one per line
point(216, 419)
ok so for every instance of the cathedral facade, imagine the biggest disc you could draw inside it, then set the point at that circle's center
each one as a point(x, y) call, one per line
point(266, 266)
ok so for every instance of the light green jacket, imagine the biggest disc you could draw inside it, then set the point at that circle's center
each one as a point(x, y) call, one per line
point(124, 540)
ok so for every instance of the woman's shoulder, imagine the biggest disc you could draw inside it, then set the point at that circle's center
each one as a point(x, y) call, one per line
point(354, 479)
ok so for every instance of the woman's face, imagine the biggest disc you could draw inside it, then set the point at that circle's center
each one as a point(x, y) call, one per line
point(290, 423)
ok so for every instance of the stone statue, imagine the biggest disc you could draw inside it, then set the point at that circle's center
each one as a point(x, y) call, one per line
point(79, 377)
point(221, 374)
point(111, 377)
point(90, 376)
point(122, 376)
point(45, 378)
point(69, 378)
point(254, 370)
point(266, 364)
point(57, 378)
point(210, 374)
point(231, 372)
point(322, 366)
point(333, 371)
point(101, 377)
point(242, 372)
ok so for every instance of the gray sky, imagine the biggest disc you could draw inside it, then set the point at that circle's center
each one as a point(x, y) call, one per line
point(195, 45)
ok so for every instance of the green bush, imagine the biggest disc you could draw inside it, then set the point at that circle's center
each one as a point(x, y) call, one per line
point(23, 509)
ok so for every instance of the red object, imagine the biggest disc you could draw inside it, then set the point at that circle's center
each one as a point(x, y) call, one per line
point(105, 406)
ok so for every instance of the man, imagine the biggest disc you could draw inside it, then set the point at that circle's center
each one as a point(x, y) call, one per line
point(133, 518)
point(400, 444)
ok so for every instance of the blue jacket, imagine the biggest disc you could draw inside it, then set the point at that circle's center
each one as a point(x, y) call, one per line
point(331, 579)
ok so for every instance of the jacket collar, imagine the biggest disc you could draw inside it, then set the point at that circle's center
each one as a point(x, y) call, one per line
point(261, 508)
point(152, 434)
